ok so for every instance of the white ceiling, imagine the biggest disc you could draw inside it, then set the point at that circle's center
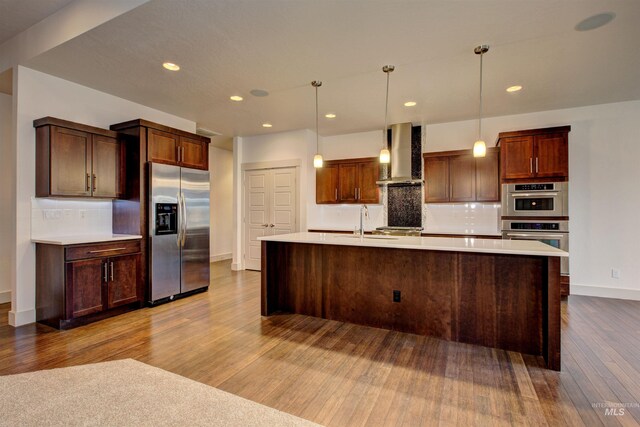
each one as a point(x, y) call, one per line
point(18, 15)
point(228, 47)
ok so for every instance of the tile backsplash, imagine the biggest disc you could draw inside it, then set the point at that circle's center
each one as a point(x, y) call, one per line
point(58, 217)
point(461, 218)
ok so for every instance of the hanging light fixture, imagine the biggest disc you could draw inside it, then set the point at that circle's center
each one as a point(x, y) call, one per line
point(385, 156)
point(317, 159)
point(479, 147)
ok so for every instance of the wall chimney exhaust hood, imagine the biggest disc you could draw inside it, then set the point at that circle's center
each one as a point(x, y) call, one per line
point(400, 156)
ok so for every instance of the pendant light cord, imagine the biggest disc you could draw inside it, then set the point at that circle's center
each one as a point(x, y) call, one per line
point(386, 109)
point(317, 136)
point(480, 106)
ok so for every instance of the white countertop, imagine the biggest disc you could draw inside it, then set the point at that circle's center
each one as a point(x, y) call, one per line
point(454, 244)
point(87, 238)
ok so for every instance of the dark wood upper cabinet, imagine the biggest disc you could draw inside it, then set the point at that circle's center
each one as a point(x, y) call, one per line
point(348, 181)
point(162, 146)
point(552, 159)
point(436, 183)
point(194, 154)
point(487, 176)
point(517, 157)
point(327, 184)
point(77, 160)
point(168, 145)
point(535, 155)
point(457, 176)
point(108, 167)
point(462, 178)
point(368, 190)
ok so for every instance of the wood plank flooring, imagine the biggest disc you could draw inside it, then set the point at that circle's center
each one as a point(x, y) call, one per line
point(339, 374)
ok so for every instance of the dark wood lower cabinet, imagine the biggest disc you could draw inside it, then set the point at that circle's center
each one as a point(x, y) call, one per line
point(78, 284)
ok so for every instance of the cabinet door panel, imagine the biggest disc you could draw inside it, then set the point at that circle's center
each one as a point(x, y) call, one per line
point(106, 166)
point(348, 181)
point(462, 178)
point(436, 174)
point(516, 155)
point(123, 274)
point(70, 162)
point(162, 147)
point(368, 190)
point(487, 177)
point(84, 287)
point(327, 184)
point(195, 153)
point(552, 155)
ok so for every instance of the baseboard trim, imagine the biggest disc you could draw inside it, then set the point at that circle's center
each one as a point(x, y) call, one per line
point(221, 257)
point(19, 318)
point(600, 291)
point(5, 296)
point(236, 266)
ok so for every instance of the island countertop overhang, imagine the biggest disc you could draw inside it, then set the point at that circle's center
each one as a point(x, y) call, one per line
point(451, 244)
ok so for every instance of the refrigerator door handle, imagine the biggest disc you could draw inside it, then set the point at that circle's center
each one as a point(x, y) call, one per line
point(179, 226)
point(184, 221)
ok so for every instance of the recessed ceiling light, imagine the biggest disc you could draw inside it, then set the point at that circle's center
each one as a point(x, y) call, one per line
point(171, 66)
point(330, 116)
point(514, 88)
point(410, 104)
point(236, 98)
point(259, 92)
point(267, 125)
point(595, 21)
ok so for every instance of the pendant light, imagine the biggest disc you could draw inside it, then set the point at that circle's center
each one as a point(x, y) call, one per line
point(385, 156)
point(479, 147)
point(317, 159)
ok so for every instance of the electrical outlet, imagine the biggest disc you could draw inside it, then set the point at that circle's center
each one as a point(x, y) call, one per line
point(615, 273)
point(397, 296)
point(52, 213)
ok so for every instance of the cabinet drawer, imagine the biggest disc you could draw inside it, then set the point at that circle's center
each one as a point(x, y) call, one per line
point(102, 250)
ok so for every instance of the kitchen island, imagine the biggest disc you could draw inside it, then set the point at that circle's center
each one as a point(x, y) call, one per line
point(496, 293)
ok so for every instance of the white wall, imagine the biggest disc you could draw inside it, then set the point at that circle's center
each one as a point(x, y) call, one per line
point(221, 211)
point(38, 95)
point(604, 201)
point(6, 178)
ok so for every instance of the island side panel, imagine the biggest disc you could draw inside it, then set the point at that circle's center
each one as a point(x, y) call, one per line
point(551, 309)
point(500, 301)
point(291, 278)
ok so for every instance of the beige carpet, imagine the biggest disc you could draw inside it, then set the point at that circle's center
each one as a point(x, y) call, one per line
point(126, 393)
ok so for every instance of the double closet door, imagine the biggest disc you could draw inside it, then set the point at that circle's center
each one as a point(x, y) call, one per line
point(270, 208)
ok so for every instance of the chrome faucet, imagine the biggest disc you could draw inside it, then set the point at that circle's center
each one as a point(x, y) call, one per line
point(364, 213)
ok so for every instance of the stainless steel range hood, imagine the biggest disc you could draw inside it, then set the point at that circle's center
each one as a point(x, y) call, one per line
point(400, 156)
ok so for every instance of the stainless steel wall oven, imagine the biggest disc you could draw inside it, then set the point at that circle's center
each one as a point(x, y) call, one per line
point(549, 199)
point(554, 233)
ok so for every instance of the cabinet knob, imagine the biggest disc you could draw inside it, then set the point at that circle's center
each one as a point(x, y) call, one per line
point(88, 182)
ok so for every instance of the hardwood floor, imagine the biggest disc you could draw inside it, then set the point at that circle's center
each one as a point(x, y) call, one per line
point(341, 374)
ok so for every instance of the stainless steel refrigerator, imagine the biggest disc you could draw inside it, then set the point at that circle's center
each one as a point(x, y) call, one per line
point(179, 231)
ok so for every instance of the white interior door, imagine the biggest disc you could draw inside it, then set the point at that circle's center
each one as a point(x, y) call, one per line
point(283, 201)
point(256, 218)
point(270, 208)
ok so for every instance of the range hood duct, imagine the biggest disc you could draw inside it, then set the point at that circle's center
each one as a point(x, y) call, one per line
point(400, 156)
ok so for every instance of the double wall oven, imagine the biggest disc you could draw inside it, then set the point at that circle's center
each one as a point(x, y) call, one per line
point(537, 211)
